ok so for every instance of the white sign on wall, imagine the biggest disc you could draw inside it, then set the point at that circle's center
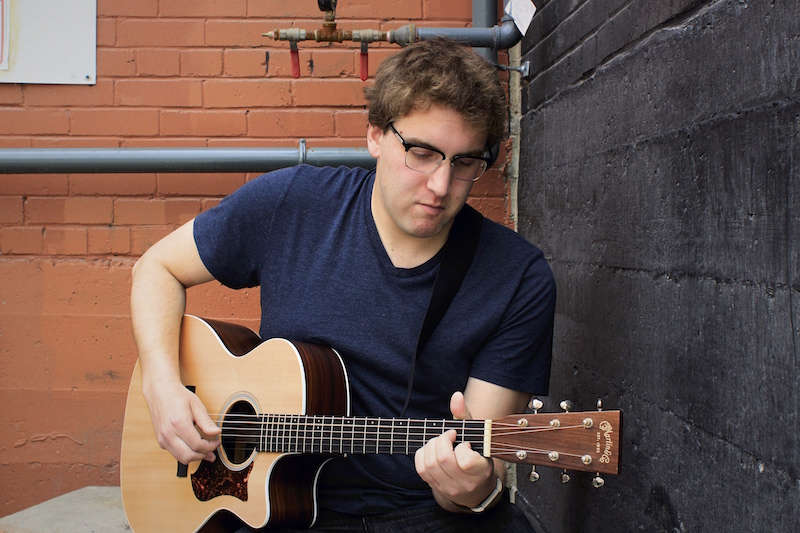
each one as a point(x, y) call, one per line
point(5, 32)
point(49, 41)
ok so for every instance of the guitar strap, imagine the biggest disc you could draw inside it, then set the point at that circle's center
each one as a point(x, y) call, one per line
point(457, 256)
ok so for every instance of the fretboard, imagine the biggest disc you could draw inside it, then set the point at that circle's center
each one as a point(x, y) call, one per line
point(360, 435)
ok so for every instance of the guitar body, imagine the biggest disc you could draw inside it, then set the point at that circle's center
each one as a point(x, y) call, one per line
point(283, 409)
point(234, 374)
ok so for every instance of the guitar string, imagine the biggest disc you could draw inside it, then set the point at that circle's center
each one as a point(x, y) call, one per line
point(287, 435)
point(289, 440)
point(260, 419)
point(362, 447)
point(320, 422)
point(309, 423)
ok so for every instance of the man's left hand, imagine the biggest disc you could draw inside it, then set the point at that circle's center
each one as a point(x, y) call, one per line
point(458, 476)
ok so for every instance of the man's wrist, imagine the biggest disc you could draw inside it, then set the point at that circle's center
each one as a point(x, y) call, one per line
point(490, 500)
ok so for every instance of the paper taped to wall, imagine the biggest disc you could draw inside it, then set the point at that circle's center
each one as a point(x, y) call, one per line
point(522, 12)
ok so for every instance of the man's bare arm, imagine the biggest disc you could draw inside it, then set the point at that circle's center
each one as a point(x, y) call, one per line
point(158, 302)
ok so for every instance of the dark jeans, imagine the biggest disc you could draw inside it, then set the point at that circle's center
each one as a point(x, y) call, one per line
point(504, 517)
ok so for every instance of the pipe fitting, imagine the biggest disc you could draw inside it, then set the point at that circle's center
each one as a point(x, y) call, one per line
point(290, 34)
point(404, 35)
point(499, 37)
point(370, 36)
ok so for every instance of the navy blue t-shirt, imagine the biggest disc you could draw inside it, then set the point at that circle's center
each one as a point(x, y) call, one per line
point(306, 235)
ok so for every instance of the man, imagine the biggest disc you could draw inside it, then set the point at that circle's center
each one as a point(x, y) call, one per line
point(347, 258)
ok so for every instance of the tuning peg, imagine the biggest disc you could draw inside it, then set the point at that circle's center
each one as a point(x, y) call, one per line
point(564, 477)
point(566, 405)
point(535, 404)
point(534, 476)
point(598, 482)
point(599, 404)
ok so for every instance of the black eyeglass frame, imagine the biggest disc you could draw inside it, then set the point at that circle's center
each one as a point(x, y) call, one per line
point(408, 146)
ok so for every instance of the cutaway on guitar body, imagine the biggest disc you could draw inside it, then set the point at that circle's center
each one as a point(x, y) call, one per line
point(240, 380)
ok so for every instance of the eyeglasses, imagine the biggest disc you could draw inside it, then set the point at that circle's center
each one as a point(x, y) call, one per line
point(425, 159)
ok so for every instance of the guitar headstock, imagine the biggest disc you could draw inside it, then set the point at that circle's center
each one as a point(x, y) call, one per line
point(585, 441)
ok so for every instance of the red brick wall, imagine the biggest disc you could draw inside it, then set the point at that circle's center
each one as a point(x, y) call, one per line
point(170, 73)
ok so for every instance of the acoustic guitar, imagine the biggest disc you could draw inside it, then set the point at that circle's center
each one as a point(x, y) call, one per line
point(284, 412)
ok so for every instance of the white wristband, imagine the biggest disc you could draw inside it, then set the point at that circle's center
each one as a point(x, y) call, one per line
point(498, 490)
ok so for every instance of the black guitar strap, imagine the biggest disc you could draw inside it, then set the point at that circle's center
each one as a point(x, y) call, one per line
point(457, 256)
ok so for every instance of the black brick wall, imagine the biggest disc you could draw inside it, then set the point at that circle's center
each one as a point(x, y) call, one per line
point(660, 173)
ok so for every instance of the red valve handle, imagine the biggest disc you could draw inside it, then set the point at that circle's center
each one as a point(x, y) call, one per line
point(364, 62)
point(295, 59)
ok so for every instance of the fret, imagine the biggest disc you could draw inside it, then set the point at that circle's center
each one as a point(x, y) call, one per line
point(306, 425)
point(325, 436)
point(385, 436)
point(264, 445)
point(292, 429)
point(308, 433)
point(438, 427)
point(300, 423)
point(286, 435)
point(339, 434)
point(308, 443)
point(371, 435)
point(290, 432)
point(362, 432)
point(473, 433)
point(348, 436)
point(336, 437)
point(273, 429)
point(279, 434)
point(378, 436)
point(478, 432)
point(457, 426)
point(311, 433)
point(417, 435)
point(316, 435)
point(400, 444)
point(391, 436)
point(291, 437)
point(276, 429)
point(335, 433)
point(262, 432)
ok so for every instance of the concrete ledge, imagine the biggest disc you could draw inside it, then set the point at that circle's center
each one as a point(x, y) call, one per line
point(87, 510)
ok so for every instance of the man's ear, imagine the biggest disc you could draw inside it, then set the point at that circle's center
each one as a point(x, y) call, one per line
point(493, 151)
point(374, 138)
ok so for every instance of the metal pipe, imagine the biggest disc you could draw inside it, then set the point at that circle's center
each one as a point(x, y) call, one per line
point(496, 38)
point(484, 15)
point(172, 160)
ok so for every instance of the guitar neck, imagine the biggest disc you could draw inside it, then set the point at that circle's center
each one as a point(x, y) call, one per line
point(361, 435)
point(579, 441)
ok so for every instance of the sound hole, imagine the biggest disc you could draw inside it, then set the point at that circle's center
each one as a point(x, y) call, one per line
point(240, 432)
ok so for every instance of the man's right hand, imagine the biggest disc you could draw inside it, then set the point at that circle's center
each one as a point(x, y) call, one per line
point(182, 424)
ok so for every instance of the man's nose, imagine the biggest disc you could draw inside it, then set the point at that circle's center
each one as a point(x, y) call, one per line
point(440, 179)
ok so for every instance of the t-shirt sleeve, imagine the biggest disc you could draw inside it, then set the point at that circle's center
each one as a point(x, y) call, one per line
point(233, 236)
point(518, 354)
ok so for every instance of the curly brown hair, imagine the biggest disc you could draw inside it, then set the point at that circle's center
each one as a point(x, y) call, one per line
point(444, 73)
